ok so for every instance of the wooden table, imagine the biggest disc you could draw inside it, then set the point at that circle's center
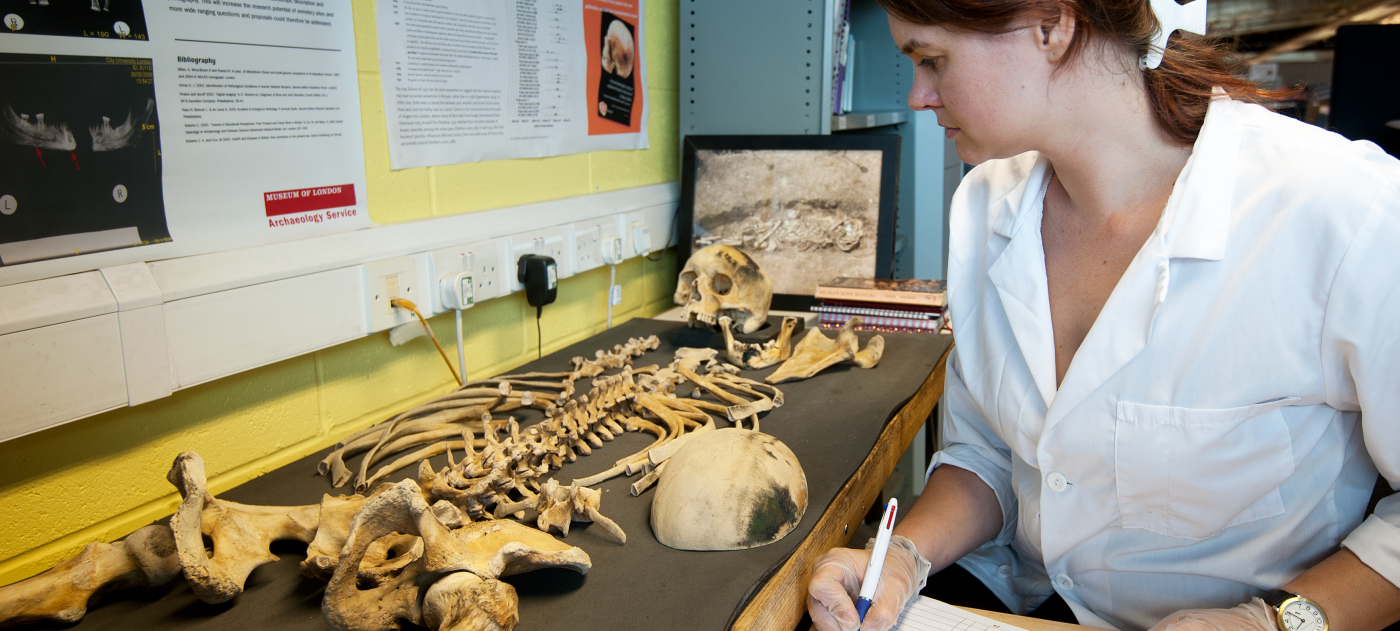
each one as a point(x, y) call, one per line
point(780, 604)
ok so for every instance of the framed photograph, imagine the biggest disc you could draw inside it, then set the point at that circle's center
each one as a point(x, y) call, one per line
point(807, 208)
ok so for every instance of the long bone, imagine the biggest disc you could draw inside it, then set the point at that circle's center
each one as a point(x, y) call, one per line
point(146, 557)
point(241, 533)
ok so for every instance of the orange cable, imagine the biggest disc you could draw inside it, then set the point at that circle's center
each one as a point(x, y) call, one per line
point(404, 303)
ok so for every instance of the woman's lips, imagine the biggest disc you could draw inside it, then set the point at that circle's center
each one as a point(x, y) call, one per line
point(948, 132)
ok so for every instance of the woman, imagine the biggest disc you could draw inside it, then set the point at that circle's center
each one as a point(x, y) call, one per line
point(1176, 373)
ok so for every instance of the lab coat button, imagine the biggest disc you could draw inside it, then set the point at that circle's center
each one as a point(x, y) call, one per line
point(1056, 481)
point(1063, 582)
point(1004, 570)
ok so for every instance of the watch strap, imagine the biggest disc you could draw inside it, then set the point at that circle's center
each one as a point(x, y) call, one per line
point(1276, 597)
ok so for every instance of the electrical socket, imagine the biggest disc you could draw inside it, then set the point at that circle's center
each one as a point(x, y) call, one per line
point(384, 281)
point(588, 252)
point(479, 259)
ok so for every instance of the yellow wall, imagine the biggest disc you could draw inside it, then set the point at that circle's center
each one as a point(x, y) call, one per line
point(100, 478)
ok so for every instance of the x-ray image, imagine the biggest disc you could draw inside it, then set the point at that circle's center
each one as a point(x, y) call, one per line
point(80, 153)
point(107, 19)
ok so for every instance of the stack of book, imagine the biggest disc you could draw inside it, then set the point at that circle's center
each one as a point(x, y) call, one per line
point(891, 305)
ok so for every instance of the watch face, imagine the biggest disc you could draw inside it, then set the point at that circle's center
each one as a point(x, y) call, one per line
point(1301, 615)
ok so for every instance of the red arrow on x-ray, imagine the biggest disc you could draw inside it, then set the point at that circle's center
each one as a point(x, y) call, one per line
point(41, 157)
point(75, 160)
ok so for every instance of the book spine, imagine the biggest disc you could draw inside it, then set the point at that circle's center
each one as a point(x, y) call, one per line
point(838, 319)
point(881, 295)
point(867, 311)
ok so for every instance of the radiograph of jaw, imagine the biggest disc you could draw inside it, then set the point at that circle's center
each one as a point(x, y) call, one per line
point(98, 5)
point(36, 133)
point(108, 138)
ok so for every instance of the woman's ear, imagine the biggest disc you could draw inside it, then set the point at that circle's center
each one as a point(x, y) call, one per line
point(1053, 37)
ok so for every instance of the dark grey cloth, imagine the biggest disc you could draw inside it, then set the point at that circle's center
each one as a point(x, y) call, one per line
point(830, 422)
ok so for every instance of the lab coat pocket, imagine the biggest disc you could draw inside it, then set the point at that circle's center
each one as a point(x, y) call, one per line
point(1189, 473)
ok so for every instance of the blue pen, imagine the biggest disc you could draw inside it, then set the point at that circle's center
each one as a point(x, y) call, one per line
point(877, 560)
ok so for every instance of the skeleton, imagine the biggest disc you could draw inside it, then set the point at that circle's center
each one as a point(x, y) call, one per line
point(729, 489)
point(817, 352)
point(722, 281)
point(429, 551)
point(145, 558)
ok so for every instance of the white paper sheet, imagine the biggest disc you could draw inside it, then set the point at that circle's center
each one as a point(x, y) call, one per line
point(176, 119)
point(473, 80)
point(927, 614)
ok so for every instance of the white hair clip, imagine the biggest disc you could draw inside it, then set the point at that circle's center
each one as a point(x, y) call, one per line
point(1189, 17)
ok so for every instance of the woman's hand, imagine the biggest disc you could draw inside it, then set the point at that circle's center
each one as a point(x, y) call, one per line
point(1251, 616)
point(836, 582)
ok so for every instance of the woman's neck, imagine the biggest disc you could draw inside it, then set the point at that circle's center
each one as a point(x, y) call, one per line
point(1107, 149)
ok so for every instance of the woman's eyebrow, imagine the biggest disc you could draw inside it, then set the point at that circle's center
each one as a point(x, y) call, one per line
point(914, 44)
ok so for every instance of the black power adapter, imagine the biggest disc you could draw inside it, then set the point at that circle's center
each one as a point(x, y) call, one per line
point(540, 277)
point(541, 280)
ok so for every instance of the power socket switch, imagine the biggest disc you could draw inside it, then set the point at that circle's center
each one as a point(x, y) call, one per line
point(385, 281)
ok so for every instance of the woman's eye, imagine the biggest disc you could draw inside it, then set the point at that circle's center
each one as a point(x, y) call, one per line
point(930, 62)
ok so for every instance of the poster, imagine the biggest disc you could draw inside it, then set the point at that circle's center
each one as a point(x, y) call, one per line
point(474, 80)
point(138, 130)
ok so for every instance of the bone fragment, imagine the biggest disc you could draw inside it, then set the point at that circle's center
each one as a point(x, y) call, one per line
point(63, 594)
point(647, 480)
point(758, 356)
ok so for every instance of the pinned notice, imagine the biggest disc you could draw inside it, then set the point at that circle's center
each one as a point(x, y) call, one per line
point(308, 199)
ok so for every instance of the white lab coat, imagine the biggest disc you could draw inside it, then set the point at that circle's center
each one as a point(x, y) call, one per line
point(1220, 429)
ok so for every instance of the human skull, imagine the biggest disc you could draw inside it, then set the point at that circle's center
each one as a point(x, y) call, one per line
point(729, 489)
point(722, 281)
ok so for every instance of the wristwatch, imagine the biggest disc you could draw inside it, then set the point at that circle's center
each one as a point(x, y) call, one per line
point(1295, 613)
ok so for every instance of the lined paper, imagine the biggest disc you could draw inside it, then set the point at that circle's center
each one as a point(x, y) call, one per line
point(927, 614)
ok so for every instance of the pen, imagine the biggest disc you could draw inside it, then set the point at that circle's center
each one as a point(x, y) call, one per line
point(877, 560)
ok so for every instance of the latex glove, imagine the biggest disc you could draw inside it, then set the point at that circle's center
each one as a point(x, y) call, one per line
point(1251, 616)
point(836, 578)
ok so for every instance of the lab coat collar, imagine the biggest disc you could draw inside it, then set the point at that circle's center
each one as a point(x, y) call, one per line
point(1195, 224)
point(1198, 211)
point(1020, 279)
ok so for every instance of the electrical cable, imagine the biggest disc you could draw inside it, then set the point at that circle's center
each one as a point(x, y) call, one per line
point(461, 352)
point(403, 303)
point(539, 336)
point(612, 286)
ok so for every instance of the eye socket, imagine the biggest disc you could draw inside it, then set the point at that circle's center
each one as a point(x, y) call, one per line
point(687, 278)
point(723, 284)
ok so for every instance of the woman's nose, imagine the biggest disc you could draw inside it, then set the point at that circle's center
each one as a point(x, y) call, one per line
point(923, 95)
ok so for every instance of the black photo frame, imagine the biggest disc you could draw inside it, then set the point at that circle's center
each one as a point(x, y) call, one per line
point(696, 147)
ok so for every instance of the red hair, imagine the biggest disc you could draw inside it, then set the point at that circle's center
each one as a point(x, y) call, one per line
point(1179, 90)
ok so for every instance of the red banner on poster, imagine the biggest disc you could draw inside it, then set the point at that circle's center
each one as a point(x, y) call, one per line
point(614, 48)
point(302, 200)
